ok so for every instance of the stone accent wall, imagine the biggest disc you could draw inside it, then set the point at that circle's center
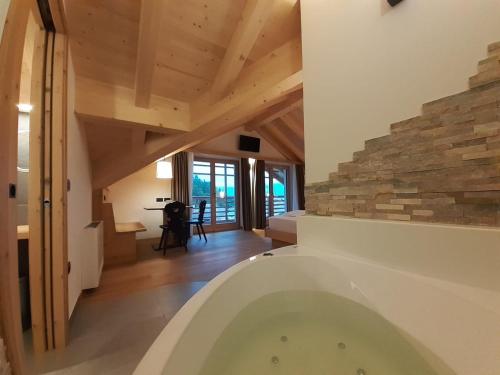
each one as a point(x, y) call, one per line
point(442, 166)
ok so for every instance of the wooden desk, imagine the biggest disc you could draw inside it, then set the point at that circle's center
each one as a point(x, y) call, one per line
point(161, 208)
point(165, 219)
point(23, 232)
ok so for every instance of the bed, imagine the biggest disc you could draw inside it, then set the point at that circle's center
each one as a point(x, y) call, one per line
point(283, 229)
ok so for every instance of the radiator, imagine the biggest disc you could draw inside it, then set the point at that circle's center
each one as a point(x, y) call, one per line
point(93, 258)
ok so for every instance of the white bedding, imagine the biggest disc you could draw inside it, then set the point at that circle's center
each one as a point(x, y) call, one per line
point(285, 223)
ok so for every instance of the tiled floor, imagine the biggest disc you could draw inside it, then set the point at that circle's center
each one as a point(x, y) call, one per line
point(110, 337)
point(113, 326)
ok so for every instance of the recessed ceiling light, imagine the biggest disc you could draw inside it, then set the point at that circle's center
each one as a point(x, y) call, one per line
point(24, 107)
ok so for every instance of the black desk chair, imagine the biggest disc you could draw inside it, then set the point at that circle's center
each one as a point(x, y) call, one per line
point(176, 224)
point(201, 220)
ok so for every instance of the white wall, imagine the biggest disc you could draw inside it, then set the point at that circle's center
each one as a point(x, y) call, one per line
point(367, 66)
point(80, 195)
point(131, 194)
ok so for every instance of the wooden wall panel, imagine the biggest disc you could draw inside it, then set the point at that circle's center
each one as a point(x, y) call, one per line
point(35, 201)
point(59, 192)
point(47, 197)
point(11, 55)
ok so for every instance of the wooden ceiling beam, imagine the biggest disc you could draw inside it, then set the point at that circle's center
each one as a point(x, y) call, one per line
point(101, 101)
point(110, 171)
point(279, 131)
point(266, 83)
point(252, 21)
point(293, 101)
point(271, 69)
point(277, 144)
point(293, 124)
point(147, 45)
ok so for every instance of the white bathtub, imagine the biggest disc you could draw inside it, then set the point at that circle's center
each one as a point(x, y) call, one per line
point(431, 288)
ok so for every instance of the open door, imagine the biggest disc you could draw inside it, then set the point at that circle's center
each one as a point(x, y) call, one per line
point(33, 112)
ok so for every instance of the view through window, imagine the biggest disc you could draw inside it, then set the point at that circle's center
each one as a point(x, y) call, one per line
point(216, 182)
point(276, 180)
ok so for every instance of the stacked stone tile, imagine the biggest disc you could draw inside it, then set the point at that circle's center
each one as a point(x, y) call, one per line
point(442, 166)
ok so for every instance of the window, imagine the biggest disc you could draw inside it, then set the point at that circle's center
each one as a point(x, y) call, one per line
point(276, 181)
point(202, 182)
point(216, 181)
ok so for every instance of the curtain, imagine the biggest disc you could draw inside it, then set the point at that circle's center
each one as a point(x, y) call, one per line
point(300, 177)
point(246, 195)
point(260, 194)
point(180, 180)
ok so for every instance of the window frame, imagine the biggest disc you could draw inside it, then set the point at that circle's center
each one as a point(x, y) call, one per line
point(269, 168)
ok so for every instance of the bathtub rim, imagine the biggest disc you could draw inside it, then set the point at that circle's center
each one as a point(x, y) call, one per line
point(155, 359)
point(157, 356)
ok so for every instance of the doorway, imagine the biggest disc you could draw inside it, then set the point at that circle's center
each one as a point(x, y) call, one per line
point(277, 182)
point(217, 182)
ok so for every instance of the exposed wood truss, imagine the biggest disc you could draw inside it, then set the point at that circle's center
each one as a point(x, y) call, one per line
point(283, 79)
point(193, 40)
point(277, 111)
point(251, 23)
point(116, 104)
point(284, 139)
point(165, 76)
point(149, 33)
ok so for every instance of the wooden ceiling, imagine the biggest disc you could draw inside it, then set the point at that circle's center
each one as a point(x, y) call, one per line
point(193, 38)
point(187, 71)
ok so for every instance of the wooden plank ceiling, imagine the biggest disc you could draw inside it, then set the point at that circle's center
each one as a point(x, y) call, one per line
point(160, 76)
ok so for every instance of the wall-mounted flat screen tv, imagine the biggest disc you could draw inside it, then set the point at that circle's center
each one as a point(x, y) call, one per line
point(250, 144)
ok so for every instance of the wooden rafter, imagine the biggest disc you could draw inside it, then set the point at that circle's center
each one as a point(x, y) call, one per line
point(277, 144)
point(280, 131)
point(277, 111)
point(296, 126)
point(108, 172)
point(116, 104)
point(267, 72)
point(193, 40)
point(273, 79)
point(251, 23)
point(149, 31)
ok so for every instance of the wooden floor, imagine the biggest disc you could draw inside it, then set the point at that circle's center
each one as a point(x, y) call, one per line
point(202, 262)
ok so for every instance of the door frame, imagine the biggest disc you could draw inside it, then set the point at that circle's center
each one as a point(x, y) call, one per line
point(21, 16)
point(213, 227)
point(288, 186)
point(11, 58)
